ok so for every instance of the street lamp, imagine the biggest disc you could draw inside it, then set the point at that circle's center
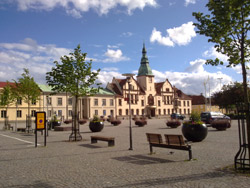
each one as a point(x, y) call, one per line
point(129, 76)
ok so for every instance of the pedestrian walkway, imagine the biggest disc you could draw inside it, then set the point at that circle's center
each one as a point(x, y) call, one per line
point(82, 164)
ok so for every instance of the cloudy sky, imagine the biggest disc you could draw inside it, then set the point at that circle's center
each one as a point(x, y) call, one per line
point(35, 33)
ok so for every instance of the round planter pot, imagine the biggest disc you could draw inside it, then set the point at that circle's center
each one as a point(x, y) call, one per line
point(96, 126)
point(194, 132)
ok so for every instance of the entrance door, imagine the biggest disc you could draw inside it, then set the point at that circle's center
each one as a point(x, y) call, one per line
point(152, 113)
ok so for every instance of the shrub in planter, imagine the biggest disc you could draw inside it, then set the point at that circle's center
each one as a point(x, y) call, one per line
point(221, 124)
point(135, 118)
point(173, 123)
point(194, 130)
point(96, 124)
point(82, 121)
point(68, 121)
point(140, 123)
point(115, 122)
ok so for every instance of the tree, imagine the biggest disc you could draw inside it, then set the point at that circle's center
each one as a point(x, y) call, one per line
point(227, 27)
point(6, 98)
point(73, 75)
point(27, 89)
point(230, 95)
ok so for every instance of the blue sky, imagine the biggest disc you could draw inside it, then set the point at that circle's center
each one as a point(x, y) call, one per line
point(34, 33)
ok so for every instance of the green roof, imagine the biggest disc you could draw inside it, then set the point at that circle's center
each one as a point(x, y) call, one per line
point(45, 88)
point(105, 92)
point(144, 69)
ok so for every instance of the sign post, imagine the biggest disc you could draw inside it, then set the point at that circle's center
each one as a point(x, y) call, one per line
point(40, 125)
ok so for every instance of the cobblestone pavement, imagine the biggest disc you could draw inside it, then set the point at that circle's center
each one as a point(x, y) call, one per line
point(82, 164)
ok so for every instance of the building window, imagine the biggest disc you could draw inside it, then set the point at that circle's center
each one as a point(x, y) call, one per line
point(104, 113)
point(150, 80)
point(103, 102)
point(49, 113)
point(184, 111)
point(168, 111)
point(3, 114)
point(142, 112)
point(127, 112)
point(120, 112)
point(180, 111)
point(96, 112)
point(142, 102)
point(132, 111)
point(164, 111)
point(159, 112)
point(167, 89)
point(33, 113)
point(60, 113)
point(48, 100)
point(59, 101)
point(19, 113)
point(70, 113)
point(19, 101)
point(83, 102)
point(184, 103)
point(188, 104)
point(111, 102)
point(33, 102)
point(95, 102)
point(137, 112)
point(159, 103)
point(120, 102)
point(112, 113)
point(69, 101)
point(188, 111)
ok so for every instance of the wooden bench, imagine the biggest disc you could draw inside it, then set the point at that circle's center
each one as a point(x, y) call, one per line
point(110, 140)
point(21, 129)
point(172, 141)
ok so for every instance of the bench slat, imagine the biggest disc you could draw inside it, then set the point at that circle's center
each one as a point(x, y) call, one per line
point(172, 142)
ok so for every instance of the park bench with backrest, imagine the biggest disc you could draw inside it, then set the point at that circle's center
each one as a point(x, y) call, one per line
point(172, 141)
point(110, 140)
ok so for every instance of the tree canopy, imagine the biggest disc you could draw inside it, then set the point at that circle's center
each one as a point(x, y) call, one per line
point(75, 76)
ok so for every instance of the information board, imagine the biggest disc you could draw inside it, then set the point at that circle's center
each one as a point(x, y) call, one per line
point(40, 120)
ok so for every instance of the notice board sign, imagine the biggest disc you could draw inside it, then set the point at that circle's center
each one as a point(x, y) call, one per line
point(40, 120)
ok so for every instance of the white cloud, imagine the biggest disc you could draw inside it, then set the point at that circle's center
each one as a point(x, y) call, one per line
point(179, 35)
point(76, 7)
point(187, 2)
point(28, 54)
point(212, 53)
point(126, 34)
point(114, 56)
point(191, 82)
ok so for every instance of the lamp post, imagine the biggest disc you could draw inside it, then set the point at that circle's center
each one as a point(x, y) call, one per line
point(47, 101)
point(129, 76)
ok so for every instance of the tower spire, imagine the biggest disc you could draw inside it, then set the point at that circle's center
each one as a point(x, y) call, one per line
point(144, 68)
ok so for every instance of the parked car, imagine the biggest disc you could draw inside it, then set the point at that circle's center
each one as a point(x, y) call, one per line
point(208, 117)
point(177, 116)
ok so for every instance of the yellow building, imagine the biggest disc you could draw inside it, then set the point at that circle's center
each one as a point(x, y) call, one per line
point(147, 99)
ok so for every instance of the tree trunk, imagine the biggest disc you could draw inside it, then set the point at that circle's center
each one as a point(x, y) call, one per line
point(246, 101)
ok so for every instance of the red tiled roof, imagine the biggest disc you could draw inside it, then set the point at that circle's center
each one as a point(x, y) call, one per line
point(197, 99)
point(158, 87)
point(3, 84)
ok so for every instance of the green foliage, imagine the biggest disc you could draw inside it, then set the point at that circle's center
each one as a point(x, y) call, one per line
point(54, 118)
point(226, 98)
point(6, 96)
point(96, 118)
point(27, 88)
point(227, 26)
point(73, 75)
point(195, 118)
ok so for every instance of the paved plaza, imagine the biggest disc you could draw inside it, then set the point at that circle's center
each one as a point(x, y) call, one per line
point(82, 164)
